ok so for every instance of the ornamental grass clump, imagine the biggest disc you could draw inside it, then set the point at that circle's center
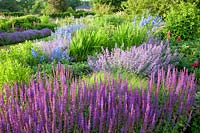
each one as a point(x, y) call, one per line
point(144, 59)
point(56, 105)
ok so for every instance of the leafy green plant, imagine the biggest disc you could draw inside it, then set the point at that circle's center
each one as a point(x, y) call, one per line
point(88, 41)
point(106, 20)
point(12, 71)
point(44, 19)
point(80, 69)
point(102, 9)
point(183, 20)
point(127, 35)
point(189, 52)
point(161, 7)
point(20, 52)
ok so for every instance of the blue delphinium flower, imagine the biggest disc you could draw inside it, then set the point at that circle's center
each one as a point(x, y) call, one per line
point(145, 21)
point(42, 58)
point(56, 54)
point(142, 22)
point(65, 55)
point(34, 53)
point(149, 18)
point(134, 21)
point(156, 21)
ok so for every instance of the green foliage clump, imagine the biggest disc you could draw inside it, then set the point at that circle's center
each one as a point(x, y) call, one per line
point(183, 20)
point(80, 69)
point(44, 19)
point(16, 62)
point(88, 41)
point(107, 34)
point(160, 7)
point(127, 35)
point(195, 123)
point(20, 52)
point(189, 52)
point(105, 20)
point(12, 71)
point(102, 9)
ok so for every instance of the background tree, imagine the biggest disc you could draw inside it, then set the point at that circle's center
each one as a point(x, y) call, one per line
point(74, 3)
point(115, 3)
point(58, 5)
point(8, 5)
point(39, 6)
point(26, 5)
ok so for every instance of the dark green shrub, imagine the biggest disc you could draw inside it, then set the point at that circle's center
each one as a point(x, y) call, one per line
point(183, 20)
point(77, 14)
point(60, 15)
point(82, 13)
point(189, 52)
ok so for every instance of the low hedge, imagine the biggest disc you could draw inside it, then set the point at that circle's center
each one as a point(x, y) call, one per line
point(25, 22)
point(60, 15)
point(77, 14)
point(21, 22)
point(15, 14)
point(17, 37)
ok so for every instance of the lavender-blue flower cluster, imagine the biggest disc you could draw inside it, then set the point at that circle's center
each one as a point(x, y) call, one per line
point(16, 37)
point(66, 31)
point(144, 59)
point(55, 49)
point(152, 23)
point(50, 105)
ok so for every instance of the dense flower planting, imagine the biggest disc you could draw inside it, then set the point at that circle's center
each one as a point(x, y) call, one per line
point(53, 50)
point(60, 105)
point(146, 58)
point(16, 37)
point(57, 49)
